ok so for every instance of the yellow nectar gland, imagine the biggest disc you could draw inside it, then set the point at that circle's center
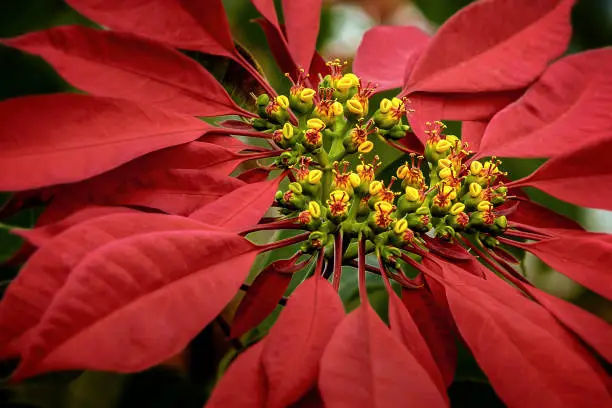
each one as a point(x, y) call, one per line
point(314, 209)
point(412, 194)
point(307, 94)
point(475, 168)
point(314, 176)
point(365, 147)
point(457, 208)
point(400, 226)
point(315, 124)
point(475, 190)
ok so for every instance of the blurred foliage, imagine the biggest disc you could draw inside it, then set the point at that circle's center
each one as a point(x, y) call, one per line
point(21, 74)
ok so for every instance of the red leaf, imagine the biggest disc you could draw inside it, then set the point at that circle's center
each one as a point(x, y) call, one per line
point(77, 136)
point(174, 191)
point(364, 365)
point(434, 323)
point(302, 27)
point(32, 291)
point(100, 319)
point(267, 9)
point(585, 258)
point(579, 176)
point(383, 53)
point(261, 298)
point(534, 215)
point(493, 45)
point(280, 51)
point(242, 207)
point(406, 330)
point(168, 21)
point(470, 107)
point(105, 63)
point(243, 384)
point(518, 344)
point(42, 235)
point(572, 97)
point(255, 175)
point(593, 330)
point(471, 133)
point(172, 180)
point(297, 341)
point(447, 249)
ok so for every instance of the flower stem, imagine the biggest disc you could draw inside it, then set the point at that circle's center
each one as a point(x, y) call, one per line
point(361, 271)
point(337, 260)
point(283, 224)
point(283, 243)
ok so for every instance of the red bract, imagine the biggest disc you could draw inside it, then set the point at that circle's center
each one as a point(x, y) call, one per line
point(439, 229)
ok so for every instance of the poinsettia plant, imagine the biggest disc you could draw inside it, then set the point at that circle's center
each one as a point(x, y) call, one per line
point(158, 182)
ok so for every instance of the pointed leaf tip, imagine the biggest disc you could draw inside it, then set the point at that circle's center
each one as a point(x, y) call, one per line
point(296, 342)
point(376, 370)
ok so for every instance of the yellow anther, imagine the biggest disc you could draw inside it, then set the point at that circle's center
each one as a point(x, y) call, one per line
point(384, 207)
point(283, 101)
point(365, 147)
point(315, 123)
point(445, 163)
point(475, 168)
point(307, 94)
point(445, 173)
point(314, 209)
point(402, 171)
point(442, 146)
point(354, 78)
point(295, 187)
point(354, 179)
point(400, 226)
point(375, 187)
point(484, 206)
point(412, 194)
point(475, 189)
point(339, 195)
point(385, 105)
point(314, 176)
point(457, 208)
point(355, 107)
point(397, 102)
point(344, 84)
point(287, 131)
point(337, 109)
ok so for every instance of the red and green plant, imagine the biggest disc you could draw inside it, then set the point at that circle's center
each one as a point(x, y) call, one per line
point(148, 232)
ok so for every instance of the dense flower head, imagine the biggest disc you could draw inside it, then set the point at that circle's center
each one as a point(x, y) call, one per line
point(151, 211)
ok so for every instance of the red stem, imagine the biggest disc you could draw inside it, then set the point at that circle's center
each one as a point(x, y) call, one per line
point(399, 147)
point(284, 224)
point(319, 267)
point(283, 243)
point(361, 271)
point(512, 243)
point(383, 271)
point(262, 155)
point(526, 235)
point(256, 74)
point(337, 274)
point(242, 132)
